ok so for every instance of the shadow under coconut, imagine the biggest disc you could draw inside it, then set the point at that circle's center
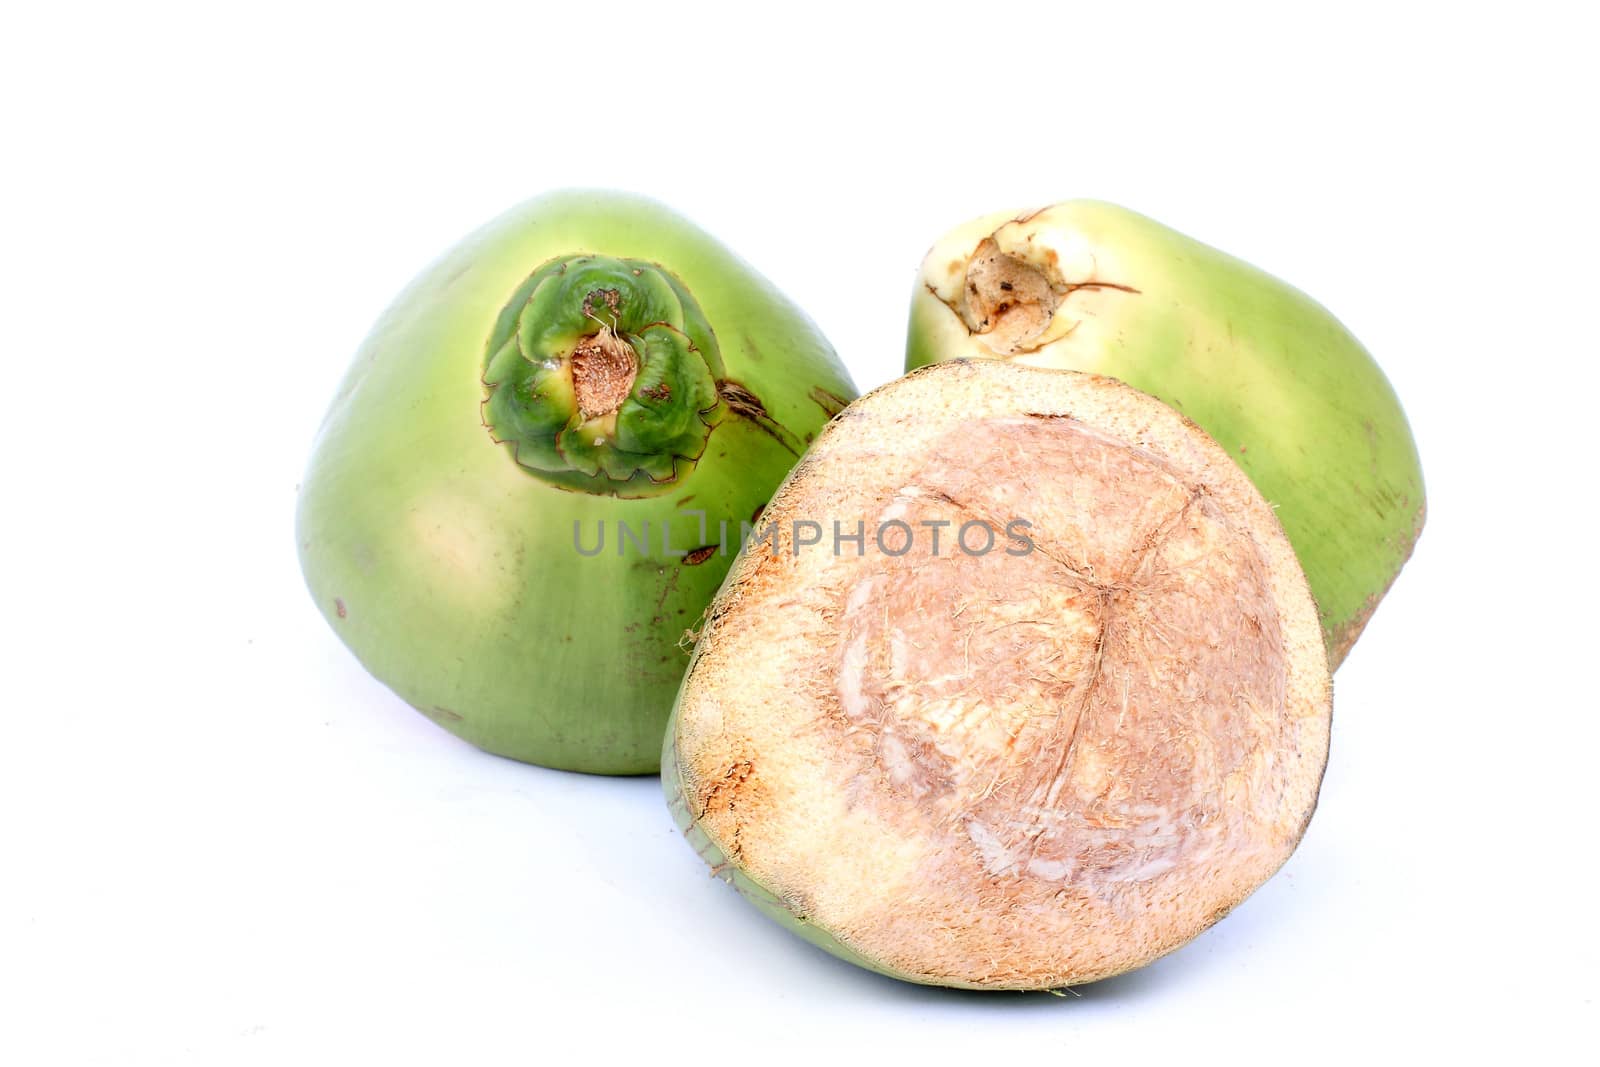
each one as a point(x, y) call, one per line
point(1174, 969)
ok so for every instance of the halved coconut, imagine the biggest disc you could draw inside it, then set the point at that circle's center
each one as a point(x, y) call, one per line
point(1062, 705)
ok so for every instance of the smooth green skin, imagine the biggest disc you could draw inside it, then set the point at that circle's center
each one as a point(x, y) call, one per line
point(450, 570)
point(1272, 376)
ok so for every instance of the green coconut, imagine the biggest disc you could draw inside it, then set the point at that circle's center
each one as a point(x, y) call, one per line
point(539, 465)
point(1269, 373)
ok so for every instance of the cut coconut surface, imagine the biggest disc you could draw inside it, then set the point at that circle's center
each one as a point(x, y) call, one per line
point(1062, 705)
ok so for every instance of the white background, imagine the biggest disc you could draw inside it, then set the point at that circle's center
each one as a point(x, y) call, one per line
point(223, 842)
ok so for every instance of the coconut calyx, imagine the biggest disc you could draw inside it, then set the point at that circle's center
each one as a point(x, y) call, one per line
point(602, 375)
point(1061, 705)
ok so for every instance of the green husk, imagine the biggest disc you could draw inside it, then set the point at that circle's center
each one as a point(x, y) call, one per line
point(1264, 369)
point(454, 477)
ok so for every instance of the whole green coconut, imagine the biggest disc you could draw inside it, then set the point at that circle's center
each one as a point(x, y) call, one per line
point(1272, 375)
point(536, 471)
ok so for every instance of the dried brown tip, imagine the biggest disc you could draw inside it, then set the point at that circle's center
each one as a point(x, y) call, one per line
point(1005, 299)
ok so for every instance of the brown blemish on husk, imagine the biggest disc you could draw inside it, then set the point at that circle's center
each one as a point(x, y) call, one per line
point(441, 715)
point(612, 299)
point(724, 793)
point(831, 403)
point(1342, 638)
point(747, 405)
